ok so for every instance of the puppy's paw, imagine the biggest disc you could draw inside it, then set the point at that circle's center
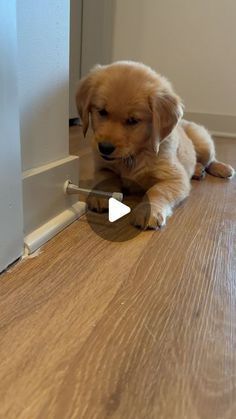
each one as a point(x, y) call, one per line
point(220, 169)
point(97, 204)
point(199, 172)
point(149, 216)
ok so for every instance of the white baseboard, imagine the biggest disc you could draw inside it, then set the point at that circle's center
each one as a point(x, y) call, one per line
point(47, 210)
point(47, 231)
point(222, 134)
point(218, 125)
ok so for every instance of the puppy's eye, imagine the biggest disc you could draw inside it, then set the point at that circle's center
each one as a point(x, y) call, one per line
point(103, 113)
point(132, 121)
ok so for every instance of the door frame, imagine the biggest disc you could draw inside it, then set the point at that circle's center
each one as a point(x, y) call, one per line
point(11, 214)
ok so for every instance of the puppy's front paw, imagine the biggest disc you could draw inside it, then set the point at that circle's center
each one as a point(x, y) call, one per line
point(97, 204)
point(148, 216)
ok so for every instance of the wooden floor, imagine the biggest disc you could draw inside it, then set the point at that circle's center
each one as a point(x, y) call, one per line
point(144, 329)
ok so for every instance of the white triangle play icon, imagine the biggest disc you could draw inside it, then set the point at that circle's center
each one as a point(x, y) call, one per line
point(117, 210)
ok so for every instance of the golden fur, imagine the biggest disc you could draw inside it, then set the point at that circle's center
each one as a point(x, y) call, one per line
point(136, 110)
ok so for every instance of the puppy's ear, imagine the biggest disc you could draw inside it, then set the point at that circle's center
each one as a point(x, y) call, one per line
point(83, 100)
point(84, 94)
point(167, 110)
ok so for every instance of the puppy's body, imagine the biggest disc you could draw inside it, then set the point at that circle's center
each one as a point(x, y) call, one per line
point(139, 136)
point(176, 155)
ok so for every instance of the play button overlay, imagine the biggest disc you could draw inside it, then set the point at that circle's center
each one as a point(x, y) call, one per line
point(108, 217)
point(117, 210)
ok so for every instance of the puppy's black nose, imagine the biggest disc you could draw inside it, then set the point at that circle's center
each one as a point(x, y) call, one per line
point(106, 148)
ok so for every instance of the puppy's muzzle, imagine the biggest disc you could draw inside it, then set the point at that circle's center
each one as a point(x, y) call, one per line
point(106, 148)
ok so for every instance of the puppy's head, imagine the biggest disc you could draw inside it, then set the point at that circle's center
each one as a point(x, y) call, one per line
point(132, 108)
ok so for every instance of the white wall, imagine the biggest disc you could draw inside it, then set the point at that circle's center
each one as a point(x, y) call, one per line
point(11, 219)
point(43, 51)
point(97, 33)
point(193, 42)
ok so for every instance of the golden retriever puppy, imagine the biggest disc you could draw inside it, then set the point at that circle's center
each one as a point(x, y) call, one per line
point(139, 136)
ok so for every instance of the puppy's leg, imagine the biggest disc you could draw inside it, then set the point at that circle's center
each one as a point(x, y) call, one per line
point(202, 141)
point(159, 201)
point(205, 150)
point(109, 183)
